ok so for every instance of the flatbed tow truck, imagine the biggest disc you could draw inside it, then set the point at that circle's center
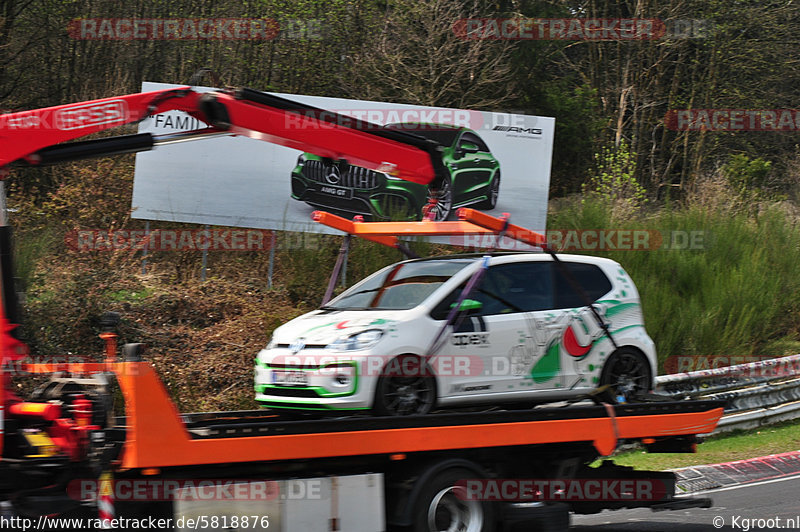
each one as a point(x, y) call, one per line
point(65, 455)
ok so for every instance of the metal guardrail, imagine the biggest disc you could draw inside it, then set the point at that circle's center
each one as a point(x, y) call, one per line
point(758, 393)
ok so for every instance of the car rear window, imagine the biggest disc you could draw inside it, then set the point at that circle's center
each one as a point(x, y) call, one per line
point(588, 276)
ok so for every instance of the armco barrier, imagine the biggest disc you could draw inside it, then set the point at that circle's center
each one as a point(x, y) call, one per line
point(758, 393)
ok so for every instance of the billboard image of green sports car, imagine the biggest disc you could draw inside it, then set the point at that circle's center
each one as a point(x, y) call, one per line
point(472, 179)
point(275, 187)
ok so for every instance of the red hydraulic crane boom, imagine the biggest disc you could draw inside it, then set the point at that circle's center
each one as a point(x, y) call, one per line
point(41, 136)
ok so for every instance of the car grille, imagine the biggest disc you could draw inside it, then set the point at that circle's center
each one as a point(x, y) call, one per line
point(354, 177)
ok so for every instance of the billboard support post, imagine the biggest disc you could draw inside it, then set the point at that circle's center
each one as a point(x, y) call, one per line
point(205, 258)
point(344, 267)
point(146, 244)
point(337, 269)
point(271, 266)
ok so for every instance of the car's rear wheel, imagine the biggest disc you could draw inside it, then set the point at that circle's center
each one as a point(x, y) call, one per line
point(407, 387)
point(444, 200)
point(494, 192)
point(628, 371)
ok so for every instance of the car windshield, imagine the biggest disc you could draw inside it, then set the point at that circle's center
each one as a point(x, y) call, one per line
point(400, 287)
point(444, 135)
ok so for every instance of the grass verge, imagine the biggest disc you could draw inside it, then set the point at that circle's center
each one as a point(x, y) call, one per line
point(738, 445)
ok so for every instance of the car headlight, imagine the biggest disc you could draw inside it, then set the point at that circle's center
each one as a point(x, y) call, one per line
point(358, 341)
point(272, 343)
point(301, 159)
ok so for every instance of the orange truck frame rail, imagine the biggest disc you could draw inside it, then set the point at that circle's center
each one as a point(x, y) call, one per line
point(156, 437)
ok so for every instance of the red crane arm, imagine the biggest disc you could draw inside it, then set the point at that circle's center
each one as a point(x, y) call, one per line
point(40, 136)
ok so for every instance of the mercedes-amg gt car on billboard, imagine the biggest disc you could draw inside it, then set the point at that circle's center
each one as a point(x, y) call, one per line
point(473, 178)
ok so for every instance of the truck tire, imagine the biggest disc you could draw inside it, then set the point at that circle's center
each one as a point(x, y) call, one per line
point(537, 518)
point(441, 506)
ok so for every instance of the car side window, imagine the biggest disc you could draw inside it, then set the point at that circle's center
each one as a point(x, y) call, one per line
point(588, 276)
point(474, 139)
point(507, 289)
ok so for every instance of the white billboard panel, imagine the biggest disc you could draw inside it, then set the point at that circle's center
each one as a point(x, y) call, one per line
point(241, 182)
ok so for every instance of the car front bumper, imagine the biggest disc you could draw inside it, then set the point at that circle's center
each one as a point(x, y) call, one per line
point(320, 388)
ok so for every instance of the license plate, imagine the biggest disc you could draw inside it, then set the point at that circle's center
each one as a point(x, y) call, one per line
point(337, 192)
point(290, 378)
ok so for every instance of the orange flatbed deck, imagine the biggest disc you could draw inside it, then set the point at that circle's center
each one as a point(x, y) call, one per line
point(157, 437)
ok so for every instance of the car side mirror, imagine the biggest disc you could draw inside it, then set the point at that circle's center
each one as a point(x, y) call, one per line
point(469, 305)
point(468, 147)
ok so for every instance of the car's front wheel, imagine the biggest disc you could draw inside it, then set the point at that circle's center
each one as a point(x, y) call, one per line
point(628, 371)
point(406, 387)
point(444, 201)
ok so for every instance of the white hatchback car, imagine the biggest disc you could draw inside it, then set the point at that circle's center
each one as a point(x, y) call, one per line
point(524, 333)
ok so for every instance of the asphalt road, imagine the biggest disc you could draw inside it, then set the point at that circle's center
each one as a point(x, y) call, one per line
point(767, 505)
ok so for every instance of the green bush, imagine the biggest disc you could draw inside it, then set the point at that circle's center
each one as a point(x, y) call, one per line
point(753, 181)
point(614, 182)
point(747, 175)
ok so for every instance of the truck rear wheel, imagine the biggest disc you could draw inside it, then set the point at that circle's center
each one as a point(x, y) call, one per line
point(442, 506)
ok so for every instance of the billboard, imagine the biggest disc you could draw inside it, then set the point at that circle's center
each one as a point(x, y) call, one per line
point(496, 162)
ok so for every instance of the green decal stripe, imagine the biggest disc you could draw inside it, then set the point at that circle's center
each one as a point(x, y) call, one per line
point(288, 405)
point(321, 326)
point(616, 309)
